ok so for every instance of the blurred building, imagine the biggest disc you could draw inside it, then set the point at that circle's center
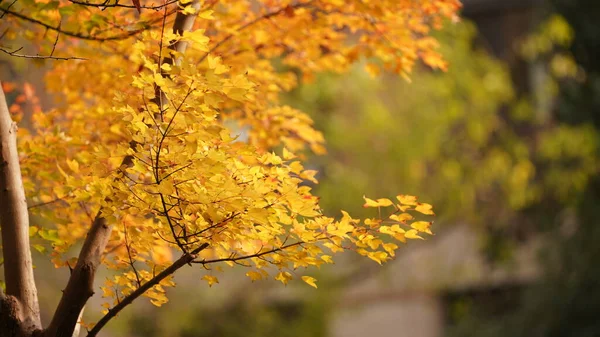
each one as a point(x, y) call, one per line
point(420, 292)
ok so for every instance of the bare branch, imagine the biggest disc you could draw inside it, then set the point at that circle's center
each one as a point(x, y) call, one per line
point(8, 7)
point(18, 269)
point(182, 261)
point(104, 4)
point(41, 204)
point(45, 57)
point(48, 26)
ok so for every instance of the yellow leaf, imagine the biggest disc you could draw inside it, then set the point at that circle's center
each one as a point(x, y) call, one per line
point(412, 234)
point(327, 258)
point(310, 281)
point(370, 202)
point(166, 187)
point(188, 10)
point(161, 254)
point(403, 217)
point(309, 175)
point(373, 223)
point(287, 155)
point(379, 257)
point(208, 15)
point(210, 279)
point(284, 277)
point(73, 165)
point(424, 208)
point(422, 226)
point(390, 248)
point(166, 67)
point(254, 276)
point(407, 199)
point(198, 37)
point(259, 215)
point(384, 202)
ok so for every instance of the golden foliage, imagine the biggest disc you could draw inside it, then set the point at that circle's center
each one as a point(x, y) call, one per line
point(202, 169)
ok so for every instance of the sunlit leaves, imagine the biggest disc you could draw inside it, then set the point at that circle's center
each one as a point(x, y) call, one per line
point(284, 277)
point(182, 151)
point(407, 199)
point(424, 208)
point(377, 203)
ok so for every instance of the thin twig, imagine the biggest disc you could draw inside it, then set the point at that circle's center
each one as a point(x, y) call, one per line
point(131, 262)
point(105, 4)
point(79, 35)
point(8, 7)
point(55, 41)
point(44, 203)
point(251, 23)
point(245, 257)
point(15, 53)
point(182, 261)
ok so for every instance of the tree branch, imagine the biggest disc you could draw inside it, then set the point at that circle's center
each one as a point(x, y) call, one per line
point(105, 4)
point(251, 23)
point(182, 261)
point(15, 53)
point(77, 35)
point(245, 257)
point(14, 220)
point(81, 283)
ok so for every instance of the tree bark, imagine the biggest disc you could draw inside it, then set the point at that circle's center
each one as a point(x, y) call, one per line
point(80, 286)
point(19, 309)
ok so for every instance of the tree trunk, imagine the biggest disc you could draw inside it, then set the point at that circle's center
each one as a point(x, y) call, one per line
point(19, 310)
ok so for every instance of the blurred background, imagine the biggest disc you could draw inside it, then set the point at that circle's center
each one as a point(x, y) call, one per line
point(505, 145)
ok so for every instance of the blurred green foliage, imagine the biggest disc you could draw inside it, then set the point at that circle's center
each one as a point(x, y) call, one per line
point(566, 300)
point(462, 140)
point(249, 310)
point(247, 318)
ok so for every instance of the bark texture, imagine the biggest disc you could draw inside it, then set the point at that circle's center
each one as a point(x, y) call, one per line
point(81, 283)
point(19, 309)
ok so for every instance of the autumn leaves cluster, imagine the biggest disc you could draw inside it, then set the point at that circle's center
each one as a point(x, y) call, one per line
point(200, 153)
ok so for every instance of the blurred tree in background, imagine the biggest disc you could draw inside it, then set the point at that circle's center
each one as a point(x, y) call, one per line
point(566, 299)
point(489, 154)
point(246, 313)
